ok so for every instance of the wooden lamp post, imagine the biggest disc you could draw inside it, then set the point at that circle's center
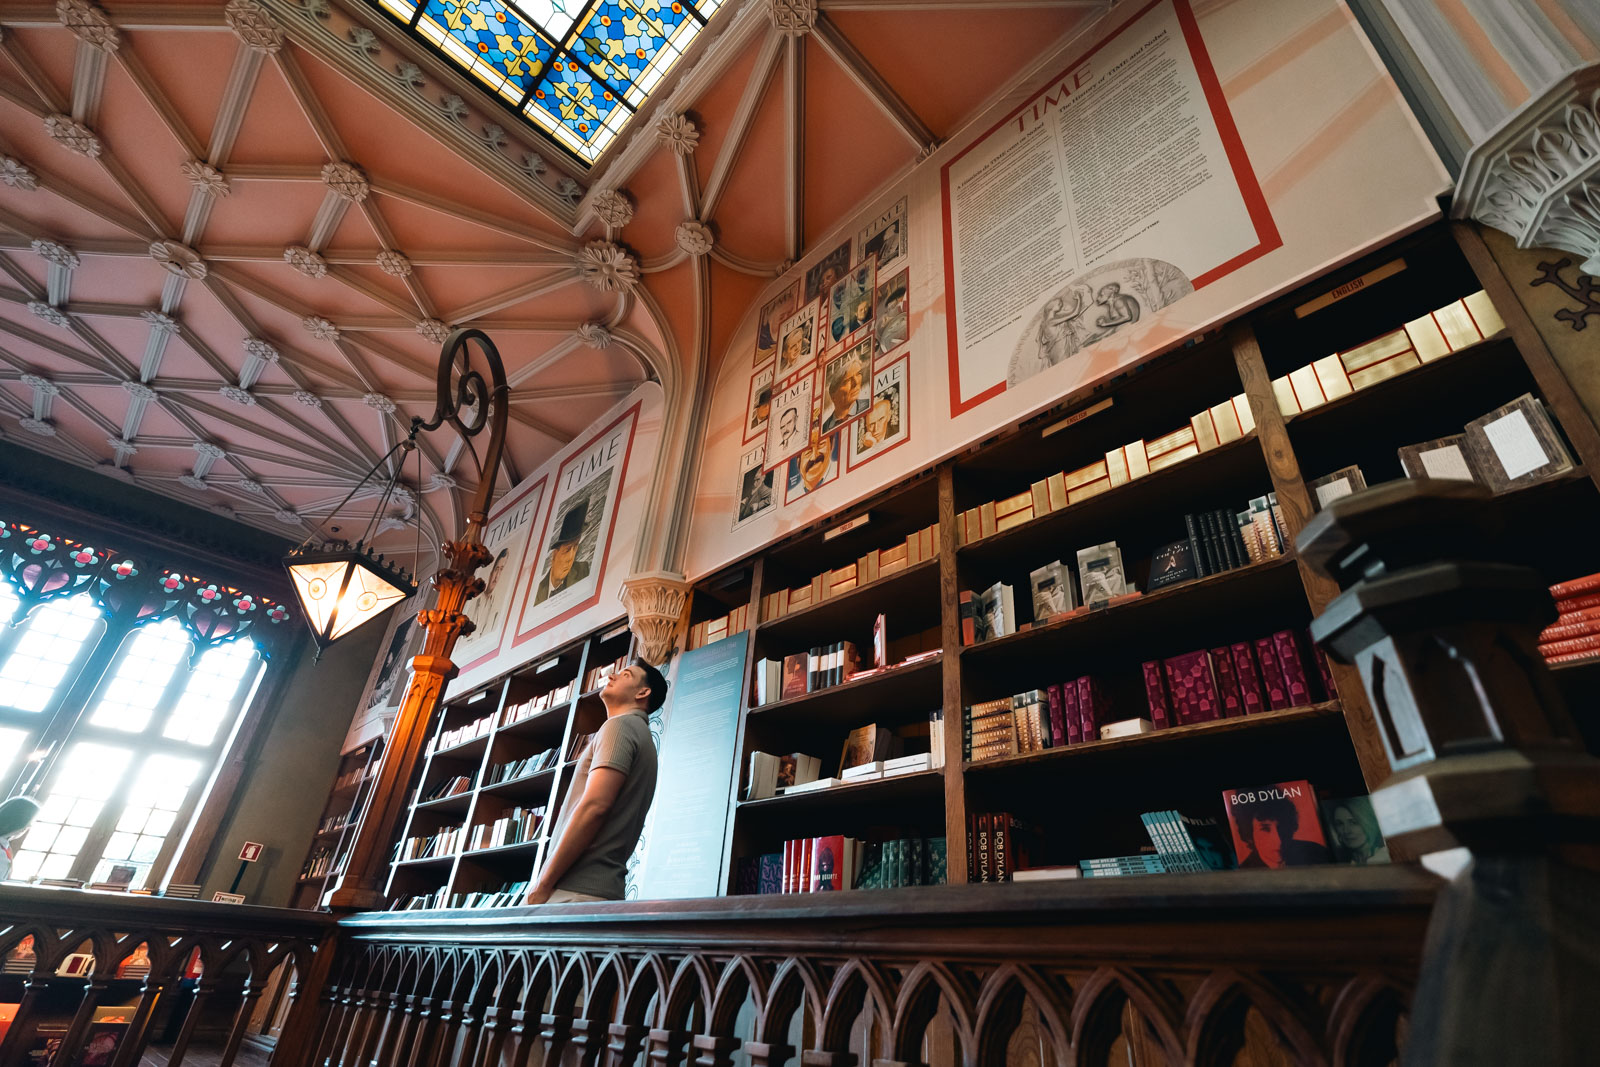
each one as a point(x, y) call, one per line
point(471, 405)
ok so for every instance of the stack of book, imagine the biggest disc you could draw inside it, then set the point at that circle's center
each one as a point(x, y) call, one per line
point(182, 890)
point(736, 621)
point(422, 901)
point(1188, 845)
point(905, 861)
point(448, 739)
point(443, 843)
point(506, 895)
point(1455, 326)
point(1115, 866)
point(1575, 635)
point(511, 770)
point(806, 672)
point(819, 864)
point(1220, 540)
point(316, 866)
point(595, 677)
point(447, 787)
point(1266, 674)
point(770, 775)
point(517, 825)
point(334, 823)
point(1215, 426)
point(998, 844)
point(891, 767)
point(918, 547)
point(560, 696)
point(1063, 714)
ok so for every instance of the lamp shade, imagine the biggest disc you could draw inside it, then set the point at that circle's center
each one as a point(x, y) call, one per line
point(340, 587)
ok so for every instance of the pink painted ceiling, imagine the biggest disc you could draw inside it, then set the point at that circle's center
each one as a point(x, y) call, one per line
point(231, 236)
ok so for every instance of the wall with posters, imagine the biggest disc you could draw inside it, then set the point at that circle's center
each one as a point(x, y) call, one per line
point(1175, 166)
point(562, 542)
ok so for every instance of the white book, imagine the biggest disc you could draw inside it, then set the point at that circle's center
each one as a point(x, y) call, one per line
point(812, 786)
point(874, 769)
point(1126, 728)
point(919, 761)
point(1046, 874)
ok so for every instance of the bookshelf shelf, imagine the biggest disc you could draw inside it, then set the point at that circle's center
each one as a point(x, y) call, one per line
point(451, 805)
point(426, 862)
point(1493, 359)
point(916, 585)
point(1146, 622)
point(1171, 738)
point(540, 724)
point(1236, 468)
point(853, 702)
point(466, 750)
point(519, 848)
point(901, 787)
point(528, 787)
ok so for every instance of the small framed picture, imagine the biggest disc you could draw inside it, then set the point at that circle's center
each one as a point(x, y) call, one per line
point(755, 484)
point(1445, 458)
point(798, 344)
point(227, 898)
point(845, 381)
point(760, 406)
point(887, 422)
point(789, 426)
point(1330, 487)
point(891, 317)
point(849, 304)
point(825, 272)
point(884, 238)
point(815, 466)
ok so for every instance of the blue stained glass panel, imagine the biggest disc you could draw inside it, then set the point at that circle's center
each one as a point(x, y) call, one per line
point(572, 97)
point(491, 40)
point(620, 38)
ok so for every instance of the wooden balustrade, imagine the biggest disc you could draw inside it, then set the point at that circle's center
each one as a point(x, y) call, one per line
point(1245, 967)
point(145, 986)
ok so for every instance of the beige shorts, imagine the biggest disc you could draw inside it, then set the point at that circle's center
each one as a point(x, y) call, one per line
point(567, 896)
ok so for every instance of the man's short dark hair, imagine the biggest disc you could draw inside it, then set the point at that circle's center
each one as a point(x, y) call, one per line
point(657, 683)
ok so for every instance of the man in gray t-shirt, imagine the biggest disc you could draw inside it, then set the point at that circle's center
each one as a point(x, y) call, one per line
point(610, 795)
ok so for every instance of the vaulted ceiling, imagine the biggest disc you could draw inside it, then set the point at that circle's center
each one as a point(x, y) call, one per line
point(233, 236)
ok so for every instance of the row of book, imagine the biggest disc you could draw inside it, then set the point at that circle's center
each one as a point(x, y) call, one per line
point(332, 824)
point(354, 776)
point(835, 862)
point(736, 621)
point(511, 770)
point(448, 786)
point(919, 547)
point(558, 697)
point(445, 740)
point(818, 668)
point(1067, 713)
point(1433, 336)
point(1215, 426)
point(1283, 670)
point(439, 898)
point(318, 865)
point(1575, 635)
point(444, 842)
point(597, 676)
point(505, 895)
point(1281, 824)
point(516, 826)
point(1220, 540)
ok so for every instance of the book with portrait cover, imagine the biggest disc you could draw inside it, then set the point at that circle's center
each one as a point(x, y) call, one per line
point(1353, 831)
point(1171, 564)
point(1276, 825)
point(1100, 573)
point(1052, 591)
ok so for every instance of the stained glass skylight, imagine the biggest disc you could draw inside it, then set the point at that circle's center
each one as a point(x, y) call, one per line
point(576, 69)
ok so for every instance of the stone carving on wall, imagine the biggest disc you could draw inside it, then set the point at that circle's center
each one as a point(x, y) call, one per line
point(608, 267)
point(1586, 291)
point(179, 260)
point(206, 178)
point(71, 134)
point(613, 207)
point(1537, 175)
point(657, 605)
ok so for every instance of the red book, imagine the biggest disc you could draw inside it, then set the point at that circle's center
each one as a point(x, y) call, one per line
point(1294, 668)
point(1566, 590)
point(1248, 676)
point(969, 605)
point(1582, 628)
point(1001, 846)
point(828, 866)
point(1227, 683)
point(796, 675)
point(1578, 603)
point(1276, 825)
point(1272, 679)
point(1155, 692)
point(1571, 657)
point(985, 855)
point(1069, 707)
point(803, 868)
point(1194, 689)
point(1329, 690)
point(788, 866)
point(1203, 682)
point(1575, 644)
point(1090, 721)
point(1058, 717)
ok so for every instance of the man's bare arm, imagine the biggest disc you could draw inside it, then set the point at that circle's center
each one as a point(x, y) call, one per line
point(605, 783)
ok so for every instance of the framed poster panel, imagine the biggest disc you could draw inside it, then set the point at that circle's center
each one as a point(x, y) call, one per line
point(506, 535)
point(789, 427)
point(887, 423)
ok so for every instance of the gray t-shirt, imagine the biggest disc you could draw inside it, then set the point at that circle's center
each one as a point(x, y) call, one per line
point(623, 742)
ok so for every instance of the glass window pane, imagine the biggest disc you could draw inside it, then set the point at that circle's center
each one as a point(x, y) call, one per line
point(88, 774)
point(130, 695)
point(208, 696)
point(120, 845)
point(11, 741)
point(49, 645)
point(162, 783)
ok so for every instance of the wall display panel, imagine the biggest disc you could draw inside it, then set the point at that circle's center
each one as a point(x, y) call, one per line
point(579, 540)
point(506, 534)
point(1164, 172)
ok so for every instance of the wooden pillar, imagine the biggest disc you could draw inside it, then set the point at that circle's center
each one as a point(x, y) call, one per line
point(1491, 786)
point(669, 1048)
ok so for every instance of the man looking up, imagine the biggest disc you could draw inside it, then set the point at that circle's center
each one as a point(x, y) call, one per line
point(609, 797)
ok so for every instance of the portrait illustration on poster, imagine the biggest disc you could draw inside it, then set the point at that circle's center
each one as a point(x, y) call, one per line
point(393, 668)
point(789, 427)
point(884, 238)
point(850, 302)
point(755, 423)
point(886, 422)
point(891, 320)
point(798, 342)
point(826, 271)
point(1089, 310)
point(755, 484)
point(570, 555)
point(815, 466)
point(844, 379)
point(505, 536)
point(773, 312)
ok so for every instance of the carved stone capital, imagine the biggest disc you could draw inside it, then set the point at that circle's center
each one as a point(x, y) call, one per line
point(394, 264)
point(58, 254)
point(309, 399)
point(347, 180)
point(1537, 175)
point(14, 173)
point(320, 328)
point(378, 402)
point(73, 135)
point(238, 395)
point(160, 322)
point(793, 18)
point(49, 313)
point(206, 178)
point(433, 330)
point(259, 349)
point(658, 607)
point(42, 427)
point(254, 26)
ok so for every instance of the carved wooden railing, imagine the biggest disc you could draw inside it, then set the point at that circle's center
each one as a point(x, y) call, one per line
point(1271, 967)
point(144, 972)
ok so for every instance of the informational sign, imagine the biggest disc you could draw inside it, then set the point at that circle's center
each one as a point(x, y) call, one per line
point(694, 784)
point(251, 851)
point(227, 898)
point(1118, 189)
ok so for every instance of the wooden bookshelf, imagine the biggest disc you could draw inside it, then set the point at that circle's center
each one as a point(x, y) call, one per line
point(347, 800)
point(560, 727)
point(1108, 783)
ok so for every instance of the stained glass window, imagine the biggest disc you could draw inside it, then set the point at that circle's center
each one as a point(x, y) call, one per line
point(576, 69)
point(39, 662)
point(89, 774)
point(148, 661)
